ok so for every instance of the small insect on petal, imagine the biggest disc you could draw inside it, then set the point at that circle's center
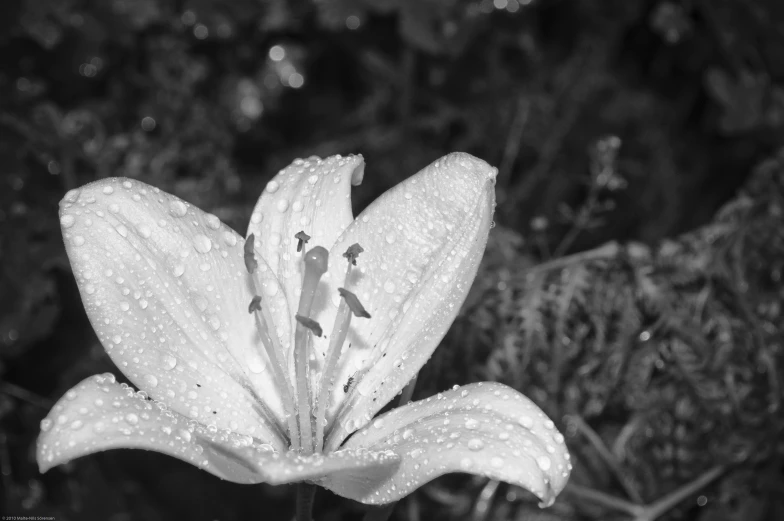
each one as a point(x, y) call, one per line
point(353, 252)
point(310, 324)
point(347, 385)
point(353, 303)
point(255, 304)
point(250, 259)
point(302, 239)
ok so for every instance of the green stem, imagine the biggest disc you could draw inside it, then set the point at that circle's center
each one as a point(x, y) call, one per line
point(305, 494)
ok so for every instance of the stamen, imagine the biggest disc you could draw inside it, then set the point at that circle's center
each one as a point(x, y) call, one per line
point(302, 239)
point(353, 252)
point(250, 258)
point(316, 263)
point(354, 304)
point(349, 304)
point(255, 304)
point(310, 324)
point(271, 345)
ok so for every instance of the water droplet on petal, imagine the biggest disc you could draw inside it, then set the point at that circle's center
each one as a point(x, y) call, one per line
point(389, 286)
point(213, 221)
point(67, 220)
point(390, 238)
point(132, 418)
point(283, 205)
point(273, 186)
point(144, 231)
point(230, 238)
point(108, 190)
point(177, 208)
point(151, 380)
point(169, 362)
point(544, 463)
point(78, 240)
point(46, 424)
point(202, 243)
point(476, 444)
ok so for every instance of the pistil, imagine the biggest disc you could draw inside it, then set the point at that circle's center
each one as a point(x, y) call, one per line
point(316, 262)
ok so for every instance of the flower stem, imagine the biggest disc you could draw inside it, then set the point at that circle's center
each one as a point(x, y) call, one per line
point(305, 494)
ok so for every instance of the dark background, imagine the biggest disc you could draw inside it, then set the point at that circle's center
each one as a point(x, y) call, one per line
point(624, 120)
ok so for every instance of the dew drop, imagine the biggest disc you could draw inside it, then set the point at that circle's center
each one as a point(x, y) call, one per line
point(212, 221)
point(270, 289)
point(178, 269)
point(122, 230)
point(202, 243)
point(497, 462)
point(151, 380)
point(230, 238)
point(144, 231)
point(215, 323)
point(186, 436)
point(108, 190)
point(476, 444)
point(297, 206)
point(78, 240)
point(177, 208)
point(389, 286)
point(256, 365)
point(273, 186)
point(114, 208)
point(313, 179)
point(390, 238)
point(67, 220)
point(544, 463)
point(131, 418)
point(471, 424)
point(46, 424)
point(283, 205)
point(169, 362)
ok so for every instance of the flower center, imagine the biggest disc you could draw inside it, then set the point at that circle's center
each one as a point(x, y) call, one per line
point(306, 429)
point(312, 426)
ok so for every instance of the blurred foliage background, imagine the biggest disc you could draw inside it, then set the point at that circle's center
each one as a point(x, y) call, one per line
point(632, 286)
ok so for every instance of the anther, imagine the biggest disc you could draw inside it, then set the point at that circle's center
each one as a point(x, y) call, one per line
point(255, 304)
point(302, 239)
point(353, 252)
point(250, 259)
point(353, 303)
point(310, 324)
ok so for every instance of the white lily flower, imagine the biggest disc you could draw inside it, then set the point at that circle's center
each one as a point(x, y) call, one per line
point(239, 387)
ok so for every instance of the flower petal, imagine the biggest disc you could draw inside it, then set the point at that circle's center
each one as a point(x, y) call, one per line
point(486, 429)
point(166, 290)
point(100, 414)
point(311, 195)
point(423, 241)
